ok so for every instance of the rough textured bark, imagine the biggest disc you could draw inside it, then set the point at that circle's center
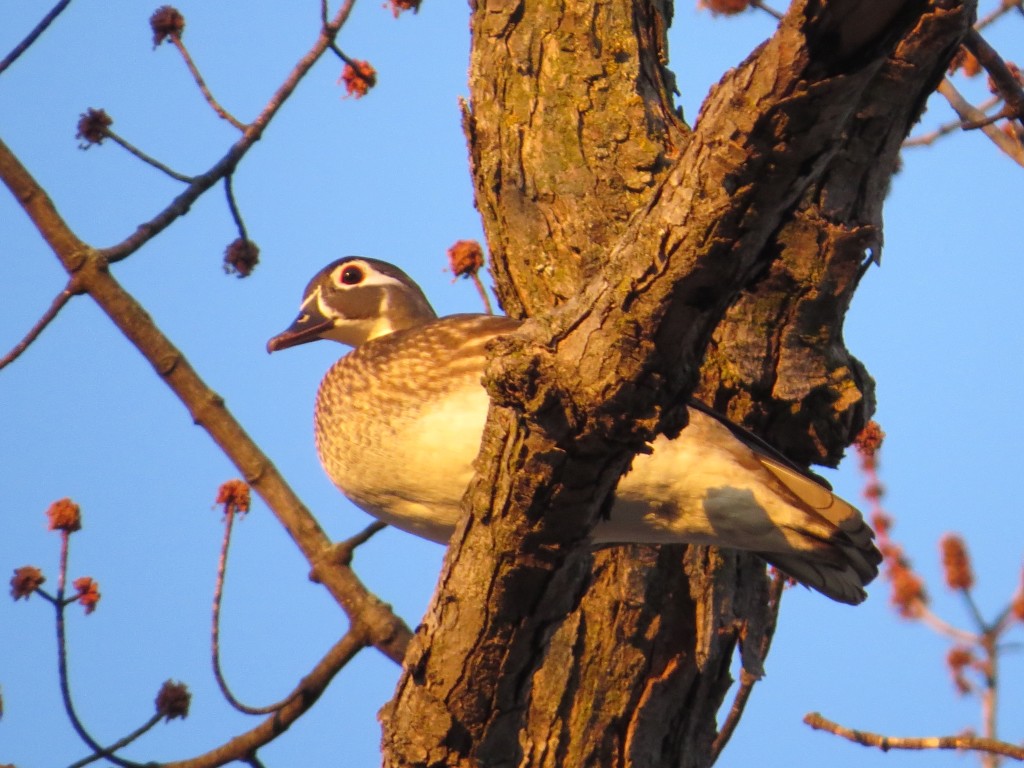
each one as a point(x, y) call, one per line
point(571, 128)
point(777, 361)
point(625, 238)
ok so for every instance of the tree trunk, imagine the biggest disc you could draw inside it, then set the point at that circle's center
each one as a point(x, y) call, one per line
point(631, 243)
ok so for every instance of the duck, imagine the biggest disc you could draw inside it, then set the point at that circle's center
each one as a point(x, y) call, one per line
point(398, 422)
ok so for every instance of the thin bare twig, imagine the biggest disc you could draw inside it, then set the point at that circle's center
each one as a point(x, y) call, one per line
point(233, 207)
point(972, 607)
point(243, 746)
point(990, 696)
point(943, 627)
point(1004, 114)
point(761, 5)
point(748, 680)
point(969, 113)
point(177, 42)
point(345, 58)
point(1003, 8)
point(32, 36)
point(475, 277)
point(1004, 80)
point(107, 752)
point(372, 621)
point(927, 139)
point(953, 126)
point(972, 117)
point(1005, 618)
point(62, 662)
point(146, 158)
point(52, 600)
point(56, 305)
point(885, 743)
point(364, 535)
point(342, 551)
point(376, 622)
point(218, 593)
point(201, 183)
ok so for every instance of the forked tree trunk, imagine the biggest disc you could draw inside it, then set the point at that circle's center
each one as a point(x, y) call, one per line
point(640, 248)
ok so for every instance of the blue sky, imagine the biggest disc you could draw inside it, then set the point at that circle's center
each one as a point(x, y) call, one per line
point(82, 415)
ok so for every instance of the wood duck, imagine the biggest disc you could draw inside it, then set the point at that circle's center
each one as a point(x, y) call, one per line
point(398, 422)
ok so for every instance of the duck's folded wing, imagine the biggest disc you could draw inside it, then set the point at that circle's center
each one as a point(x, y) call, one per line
point(847, 558)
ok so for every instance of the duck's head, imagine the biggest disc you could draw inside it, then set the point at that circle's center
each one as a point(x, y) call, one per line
point(354, 300)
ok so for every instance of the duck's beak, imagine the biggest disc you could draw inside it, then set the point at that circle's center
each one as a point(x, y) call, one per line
point(309, 326)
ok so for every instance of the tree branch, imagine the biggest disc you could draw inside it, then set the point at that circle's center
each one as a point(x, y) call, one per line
point(885, 743)
point(306, 694)
point(201, 183)
point(32, 36)
point(749, 678)
point(968, 113)
point(133, 150)
point(218, 594)
point(121, 743)
point(1005, 82)
point(178, 43)
point(371, 618)
point(579, 389)
point(951, 126)
point(60, 603)
point(47, 317)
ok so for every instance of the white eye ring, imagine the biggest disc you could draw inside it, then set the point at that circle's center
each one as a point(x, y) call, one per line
point(349, 275)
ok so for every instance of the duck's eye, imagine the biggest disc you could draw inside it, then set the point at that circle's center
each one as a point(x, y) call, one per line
point(351, 275)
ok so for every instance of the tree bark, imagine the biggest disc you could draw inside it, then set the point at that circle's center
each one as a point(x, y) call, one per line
point(630, 242)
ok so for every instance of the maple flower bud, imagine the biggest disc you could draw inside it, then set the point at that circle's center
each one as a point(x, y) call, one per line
point(173, 700)
point(955, 562)
point(958, 659)
point(881, 522)
point(92, 127)
point(397, 6)
point(870, 439)
point(65, 516)
point(908, 595)
point(234, 496)
point(874, 491)
point(166, 22)
point(241, 257)
point(25, 581)
point(358, 79)
point(465, 258)
point(88, 593)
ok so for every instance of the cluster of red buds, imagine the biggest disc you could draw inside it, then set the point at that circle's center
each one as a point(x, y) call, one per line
point(66, 517)
point(358, 77)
